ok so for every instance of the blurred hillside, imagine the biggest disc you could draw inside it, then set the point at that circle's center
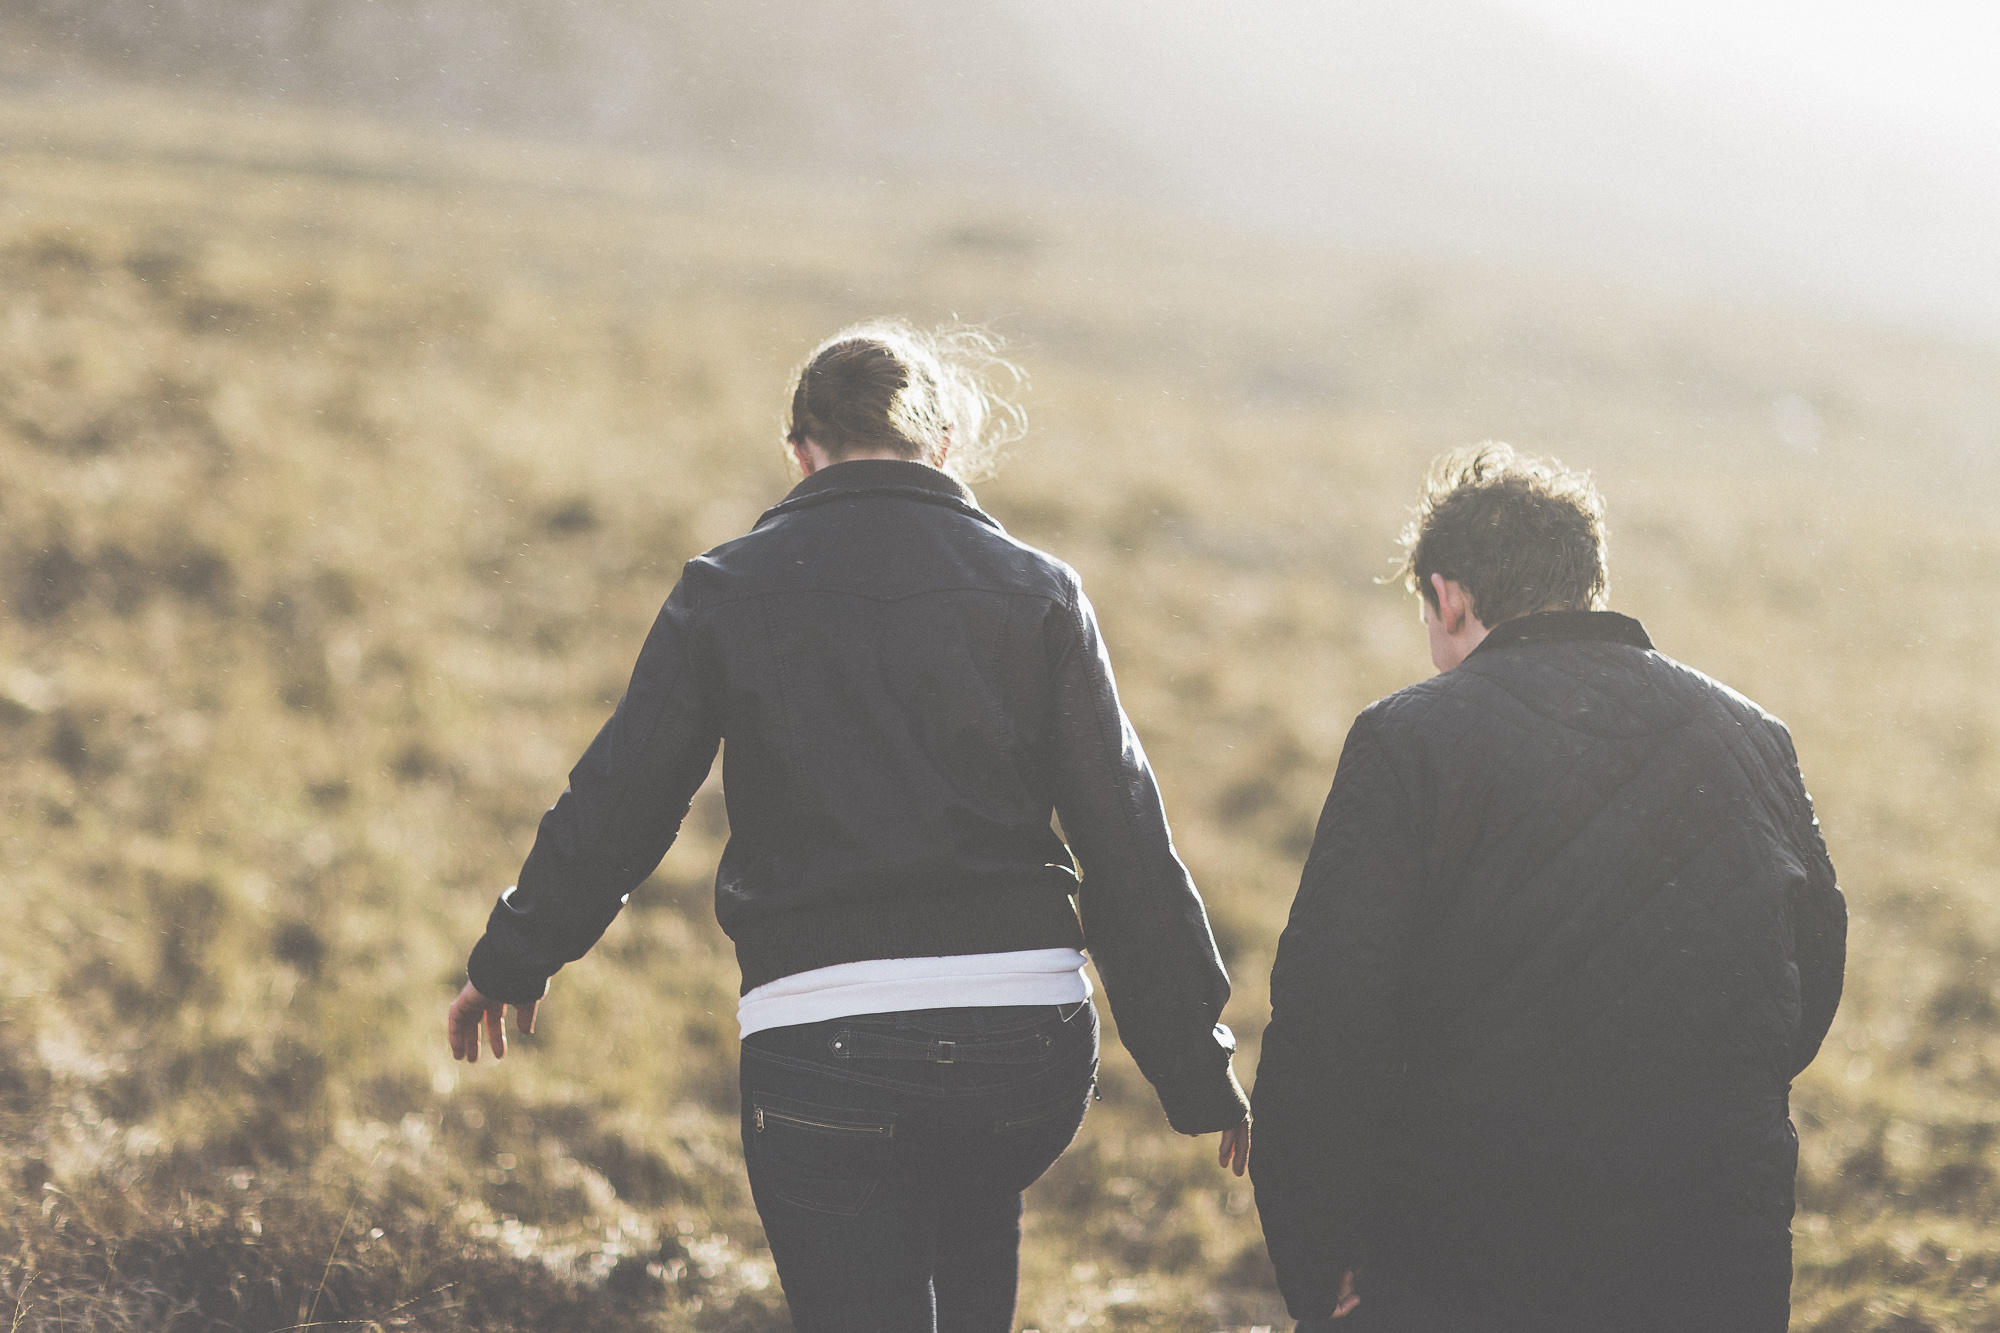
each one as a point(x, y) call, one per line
point(856, 92)
point(1414, 127)
point(342, 469)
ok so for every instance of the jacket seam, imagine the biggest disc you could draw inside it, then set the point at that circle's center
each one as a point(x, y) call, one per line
point(1105, 710)
point(913, 493)
point(740, 598)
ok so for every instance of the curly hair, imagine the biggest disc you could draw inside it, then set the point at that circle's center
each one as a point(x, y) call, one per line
point(1519, 534)
point(932, 397)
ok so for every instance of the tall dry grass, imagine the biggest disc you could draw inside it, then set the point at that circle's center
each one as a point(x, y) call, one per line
point(344, 471)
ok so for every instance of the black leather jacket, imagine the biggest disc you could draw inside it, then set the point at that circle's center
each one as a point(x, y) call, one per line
point(905, 693)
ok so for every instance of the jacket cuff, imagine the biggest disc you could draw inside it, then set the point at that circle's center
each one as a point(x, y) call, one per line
point(1205, 1103)
point(498, 976)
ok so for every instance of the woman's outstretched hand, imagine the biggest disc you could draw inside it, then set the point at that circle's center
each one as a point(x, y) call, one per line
point(1234, 1150)
point(471, 1009)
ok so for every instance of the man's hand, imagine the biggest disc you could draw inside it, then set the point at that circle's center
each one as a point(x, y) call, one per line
point(470, 1010)
point(1234, 1150)
point(1348, 1300)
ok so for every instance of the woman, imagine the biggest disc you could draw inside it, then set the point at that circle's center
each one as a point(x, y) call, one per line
point(906, 693)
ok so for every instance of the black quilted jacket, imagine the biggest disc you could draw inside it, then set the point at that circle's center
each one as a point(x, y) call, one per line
point(1566, 933)
point(902, 693)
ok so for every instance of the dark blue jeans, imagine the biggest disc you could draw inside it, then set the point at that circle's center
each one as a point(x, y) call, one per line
point(888, 1152)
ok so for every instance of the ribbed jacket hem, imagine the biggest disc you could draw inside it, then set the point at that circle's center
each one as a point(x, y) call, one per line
point(928, 927)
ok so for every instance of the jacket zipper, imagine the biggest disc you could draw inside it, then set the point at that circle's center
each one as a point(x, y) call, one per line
point(879, 1131)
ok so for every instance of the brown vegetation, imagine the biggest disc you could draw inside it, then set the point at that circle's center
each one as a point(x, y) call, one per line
point(343, 473)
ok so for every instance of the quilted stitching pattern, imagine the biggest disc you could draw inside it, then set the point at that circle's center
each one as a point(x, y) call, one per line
point(1548, 978)
point(1608, 809)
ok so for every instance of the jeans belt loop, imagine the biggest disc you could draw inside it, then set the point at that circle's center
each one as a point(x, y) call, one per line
point(946, 1052)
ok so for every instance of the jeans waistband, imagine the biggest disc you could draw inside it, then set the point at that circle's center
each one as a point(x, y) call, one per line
point(863, 1044)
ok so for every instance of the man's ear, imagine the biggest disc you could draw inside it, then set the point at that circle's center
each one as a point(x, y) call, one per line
point(1452, 603)
point(802, 455)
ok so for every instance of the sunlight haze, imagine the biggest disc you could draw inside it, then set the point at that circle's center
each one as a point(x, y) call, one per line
point(1593, 138)
point(1915, 76)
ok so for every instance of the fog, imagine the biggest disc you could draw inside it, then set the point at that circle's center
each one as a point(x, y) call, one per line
point(1912, 77)
point(776, 87)
point(1532, 131)
point(1458, 126)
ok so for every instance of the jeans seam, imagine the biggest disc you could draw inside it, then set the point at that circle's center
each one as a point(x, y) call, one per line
point(980, 1028)
point(1018, 1050)
point(1049, 1107)
point(840, 1075)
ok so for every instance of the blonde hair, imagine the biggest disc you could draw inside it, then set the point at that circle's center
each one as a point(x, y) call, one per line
point(933, 397)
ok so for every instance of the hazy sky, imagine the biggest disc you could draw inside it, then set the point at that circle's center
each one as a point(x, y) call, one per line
point(1920, 76)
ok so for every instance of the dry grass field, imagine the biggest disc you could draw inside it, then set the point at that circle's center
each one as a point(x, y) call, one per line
point(341, 473)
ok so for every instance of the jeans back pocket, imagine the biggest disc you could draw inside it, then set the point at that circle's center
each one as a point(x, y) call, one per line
point(828, 1159)
point(872, 1127)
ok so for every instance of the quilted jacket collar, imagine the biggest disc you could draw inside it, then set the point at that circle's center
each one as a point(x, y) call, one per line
point(879, 476)
point(1567, 626)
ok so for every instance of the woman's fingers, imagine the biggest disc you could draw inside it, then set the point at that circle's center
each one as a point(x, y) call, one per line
point(1233, 1151)
point(470, 1011)
point(461, 1024)
point(496, 1029)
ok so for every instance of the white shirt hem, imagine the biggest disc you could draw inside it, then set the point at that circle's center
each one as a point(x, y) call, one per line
point(891, 985)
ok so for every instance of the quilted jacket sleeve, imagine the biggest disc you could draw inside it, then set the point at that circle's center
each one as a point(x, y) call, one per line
point(1333, 1055)
point(621, 811)
point(1142, 918)
point(1819, 926)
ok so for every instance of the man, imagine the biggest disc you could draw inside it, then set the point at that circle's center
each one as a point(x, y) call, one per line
point(1566, 933)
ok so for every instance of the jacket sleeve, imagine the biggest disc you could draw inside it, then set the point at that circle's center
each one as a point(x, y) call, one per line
point(621, 811)
point(1143, 921)
point(1333, 1055)
point(1819, 927)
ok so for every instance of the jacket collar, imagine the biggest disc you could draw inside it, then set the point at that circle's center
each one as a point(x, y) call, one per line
point(879, 476)
point(1566, 626)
